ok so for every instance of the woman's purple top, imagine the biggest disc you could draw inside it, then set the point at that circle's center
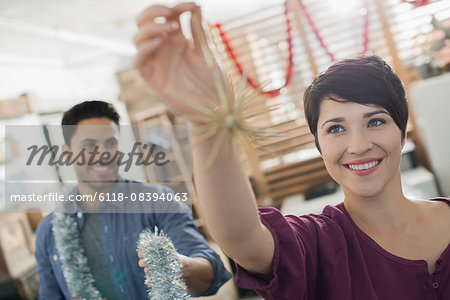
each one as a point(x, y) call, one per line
point(327, 256)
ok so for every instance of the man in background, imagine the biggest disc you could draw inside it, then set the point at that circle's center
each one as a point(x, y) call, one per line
point(109, 239)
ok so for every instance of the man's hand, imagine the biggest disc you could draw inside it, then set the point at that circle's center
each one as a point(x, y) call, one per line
point(198, 272)
point(183, 260)
point(141, 262)
point(172, 65)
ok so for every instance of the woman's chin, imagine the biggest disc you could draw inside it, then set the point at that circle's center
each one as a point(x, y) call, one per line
point(363, 192)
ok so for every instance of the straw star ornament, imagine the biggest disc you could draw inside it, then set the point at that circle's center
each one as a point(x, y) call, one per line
point(229, 120)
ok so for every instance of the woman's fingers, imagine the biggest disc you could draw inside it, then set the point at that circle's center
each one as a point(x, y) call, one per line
point(145, 50)
point(152, 33)
point(196, 17)
point(166, 59)
point(152, 12)
point(185, 6)
point(159, 11)
point(154, 30)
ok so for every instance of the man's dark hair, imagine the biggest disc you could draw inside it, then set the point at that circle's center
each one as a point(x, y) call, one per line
point(86, 110)
point(365, 80)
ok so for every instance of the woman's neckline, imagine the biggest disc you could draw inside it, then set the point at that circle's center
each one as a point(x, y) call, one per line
point(372, 243)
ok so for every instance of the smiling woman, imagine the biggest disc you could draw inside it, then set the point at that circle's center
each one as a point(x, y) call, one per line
point(377, 244)
point(359, 124)
point(361, 153)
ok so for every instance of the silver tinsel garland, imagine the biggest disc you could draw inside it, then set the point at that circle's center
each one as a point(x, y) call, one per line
point(164, 278)
point(75, 266)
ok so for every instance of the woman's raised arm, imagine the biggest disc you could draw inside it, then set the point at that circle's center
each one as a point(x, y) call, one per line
point(176, 68)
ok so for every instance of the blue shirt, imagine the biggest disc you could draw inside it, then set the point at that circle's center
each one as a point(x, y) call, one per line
point(120, 233)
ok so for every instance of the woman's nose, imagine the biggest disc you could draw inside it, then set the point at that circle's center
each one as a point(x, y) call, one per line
point(359, 143)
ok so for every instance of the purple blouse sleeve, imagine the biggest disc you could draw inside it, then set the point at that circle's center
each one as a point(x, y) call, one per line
point(294, 262)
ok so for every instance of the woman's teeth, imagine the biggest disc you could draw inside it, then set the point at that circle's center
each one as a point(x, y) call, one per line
point(364, 166)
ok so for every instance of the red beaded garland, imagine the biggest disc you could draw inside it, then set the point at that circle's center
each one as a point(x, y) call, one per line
point(290, 69)
point(320, 38)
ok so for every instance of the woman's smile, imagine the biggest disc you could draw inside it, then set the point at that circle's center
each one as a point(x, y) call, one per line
point(363, 167)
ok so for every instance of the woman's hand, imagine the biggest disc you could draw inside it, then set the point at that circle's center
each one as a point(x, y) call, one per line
point(172, 65)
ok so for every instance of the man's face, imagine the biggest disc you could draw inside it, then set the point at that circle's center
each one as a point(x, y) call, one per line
point(98, 135)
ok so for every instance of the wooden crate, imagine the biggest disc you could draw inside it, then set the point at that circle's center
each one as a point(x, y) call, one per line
point(15, 107)
point(16, 246)
point(34, 218)
point(134, 88)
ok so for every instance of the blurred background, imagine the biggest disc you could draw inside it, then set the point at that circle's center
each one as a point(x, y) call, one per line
point(55, 54)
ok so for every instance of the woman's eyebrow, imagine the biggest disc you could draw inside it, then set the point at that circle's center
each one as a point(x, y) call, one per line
point(337, 120)
point(368, 115)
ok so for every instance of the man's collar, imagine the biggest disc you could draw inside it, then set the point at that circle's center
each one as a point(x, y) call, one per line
point(73, 208)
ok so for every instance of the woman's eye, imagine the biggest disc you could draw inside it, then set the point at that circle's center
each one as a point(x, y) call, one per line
point(335, 129)
point(376, 122)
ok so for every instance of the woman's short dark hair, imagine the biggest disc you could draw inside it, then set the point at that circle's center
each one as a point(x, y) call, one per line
point(365, 80)
point(86, 110)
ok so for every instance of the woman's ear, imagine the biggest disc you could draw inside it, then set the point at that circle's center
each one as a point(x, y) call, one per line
point(404, 137)
point(316, 141)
